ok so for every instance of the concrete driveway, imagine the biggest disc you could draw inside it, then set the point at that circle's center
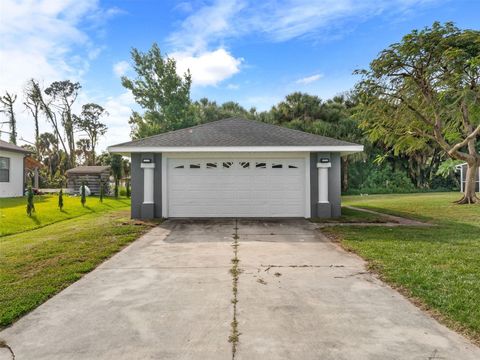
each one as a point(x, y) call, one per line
point(169, 296)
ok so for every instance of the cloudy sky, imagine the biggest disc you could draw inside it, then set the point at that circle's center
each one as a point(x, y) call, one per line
point(252, 52)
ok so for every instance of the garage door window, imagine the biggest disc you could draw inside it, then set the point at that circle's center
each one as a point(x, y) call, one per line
point(4, 169)
point(277, 166)
point(179, 167)
point(211, 165)
point(245, 164)
point(261, 165)
point(195, 166)
point(292, 166)
point(227, 164)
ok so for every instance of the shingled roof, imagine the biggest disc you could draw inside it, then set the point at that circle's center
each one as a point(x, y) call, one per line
point(12, 147)
point(233, 132)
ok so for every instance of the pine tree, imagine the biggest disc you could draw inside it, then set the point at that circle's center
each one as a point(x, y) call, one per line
point(83, 197)
point(30, 205)
point(60, 199)
point(101, 191)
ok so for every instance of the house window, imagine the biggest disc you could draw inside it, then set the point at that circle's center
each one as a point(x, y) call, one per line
point(277, 166)
point(211, 165)
point(4, 169)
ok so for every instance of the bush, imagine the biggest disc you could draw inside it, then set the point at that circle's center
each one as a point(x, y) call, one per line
point(122, 191)
point(83, 197)
point(60, 199)
point(30, 205)
point(383, 180)
point(102, 191)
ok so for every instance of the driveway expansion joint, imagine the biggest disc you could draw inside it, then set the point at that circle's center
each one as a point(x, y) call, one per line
point(235, 272)
point(4, 345)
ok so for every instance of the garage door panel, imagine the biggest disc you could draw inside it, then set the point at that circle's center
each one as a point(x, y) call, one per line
point(242, 190)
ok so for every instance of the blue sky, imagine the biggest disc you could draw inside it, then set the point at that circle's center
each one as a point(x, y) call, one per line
point(251, 52)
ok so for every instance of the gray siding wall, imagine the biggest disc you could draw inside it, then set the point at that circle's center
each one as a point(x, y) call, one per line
point(139, 210)
point(333, 208)
point(136, 178)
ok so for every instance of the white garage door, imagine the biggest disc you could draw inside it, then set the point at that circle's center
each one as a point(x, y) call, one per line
point(236, 187)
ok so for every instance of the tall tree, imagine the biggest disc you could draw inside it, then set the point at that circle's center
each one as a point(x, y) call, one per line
point(84, 151)
point(164, 95)
point(298, 106)
point(89, 122)
point(64, 94)
point(426, 89)
point(7, 102)
point(33, 104)
point(45, 106)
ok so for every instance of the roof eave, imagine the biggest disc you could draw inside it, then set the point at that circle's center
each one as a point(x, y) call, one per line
point(21, 151)
point(342, 149)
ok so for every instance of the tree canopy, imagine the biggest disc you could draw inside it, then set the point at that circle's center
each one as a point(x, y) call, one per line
point(164, 95)
point(424, 92)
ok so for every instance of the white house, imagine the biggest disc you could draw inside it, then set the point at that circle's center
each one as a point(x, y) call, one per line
point(11, 169)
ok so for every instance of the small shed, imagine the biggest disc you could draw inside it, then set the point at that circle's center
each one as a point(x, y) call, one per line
point(462, 168)
point(93, 176)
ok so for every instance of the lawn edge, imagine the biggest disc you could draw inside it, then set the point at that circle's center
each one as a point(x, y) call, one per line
point(443, 319)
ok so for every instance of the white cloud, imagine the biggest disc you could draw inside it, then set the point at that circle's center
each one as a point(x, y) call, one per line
point(309, 79)
point(279, 20)
point(119, 109)
point(233, 86)
point(45, 40)
point(208, 67)
point(199, 41)
point(121, 68)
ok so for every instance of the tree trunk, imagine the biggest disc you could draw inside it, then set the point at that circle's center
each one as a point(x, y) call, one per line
point(469, 195)
point(344, 173)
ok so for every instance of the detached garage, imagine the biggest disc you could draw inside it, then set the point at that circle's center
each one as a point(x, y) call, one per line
point(235, 168)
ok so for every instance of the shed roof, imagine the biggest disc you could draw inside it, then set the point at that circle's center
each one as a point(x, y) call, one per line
point(232, 132)
point(88, 170)
point(12, 147)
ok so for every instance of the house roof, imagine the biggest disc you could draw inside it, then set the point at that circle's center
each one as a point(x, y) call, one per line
point(12, 147)
point(85, 170)
point(230, 133)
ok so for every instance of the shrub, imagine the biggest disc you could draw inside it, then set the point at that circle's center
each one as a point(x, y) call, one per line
point(83, 198)
point(102, 191)
point(60, 199)
point(384, 179)
point(30, 205)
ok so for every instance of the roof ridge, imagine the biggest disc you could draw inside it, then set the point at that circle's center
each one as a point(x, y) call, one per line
point(182, 129)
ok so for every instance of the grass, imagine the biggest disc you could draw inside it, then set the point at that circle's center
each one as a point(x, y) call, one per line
point(36, 264)
point(353, 216)
point(14, 219)
point(438, 267)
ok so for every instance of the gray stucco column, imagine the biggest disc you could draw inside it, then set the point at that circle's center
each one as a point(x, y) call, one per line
point(146, 169)
point(325, 185)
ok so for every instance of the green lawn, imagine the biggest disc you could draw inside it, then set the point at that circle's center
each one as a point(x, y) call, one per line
point(437, 266)
point(36, 264)
point(14, 219)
